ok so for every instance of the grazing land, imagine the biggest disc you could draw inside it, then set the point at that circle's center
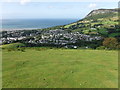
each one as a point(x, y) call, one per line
point(60, 68)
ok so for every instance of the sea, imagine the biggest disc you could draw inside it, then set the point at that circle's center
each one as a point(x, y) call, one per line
point(29, 24)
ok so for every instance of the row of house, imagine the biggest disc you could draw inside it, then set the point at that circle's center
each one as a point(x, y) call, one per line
point(56, 37)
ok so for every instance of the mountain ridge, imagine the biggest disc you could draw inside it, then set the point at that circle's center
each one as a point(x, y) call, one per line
point(98, 11)
point(94, 14)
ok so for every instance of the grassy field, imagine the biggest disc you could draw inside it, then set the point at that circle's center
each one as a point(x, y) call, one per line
point(60, 68)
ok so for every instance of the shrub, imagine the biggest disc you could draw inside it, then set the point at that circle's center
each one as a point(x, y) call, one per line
point(14, 46)
point(101, 48)
point(9, 50)
point(38, 49)
point(22, 49)
point(110, 43)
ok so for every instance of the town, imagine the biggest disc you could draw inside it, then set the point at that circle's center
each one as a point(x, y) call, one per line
point(49, 37)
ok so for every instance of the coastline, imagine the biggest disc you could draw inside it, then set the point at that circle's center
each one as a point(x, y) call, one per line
point(18, 29)
point(32, 24)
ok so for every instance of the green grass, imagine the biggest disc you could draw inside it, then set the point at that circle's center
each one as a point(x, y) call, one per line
point(114, 34)
point(109, 22)
point(60, 68)
point(67, 26)
point(12, 45)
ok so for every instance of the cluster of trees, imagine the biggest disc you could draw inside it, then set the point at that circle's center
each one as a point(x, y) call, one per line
point(111, 43)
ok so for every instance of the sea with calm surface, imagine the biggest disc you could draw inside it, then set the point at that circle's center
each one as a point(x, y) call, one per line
point(20, 24)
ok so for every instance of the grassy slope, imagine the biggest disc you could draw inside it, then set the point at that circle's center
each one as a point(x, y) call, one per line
point(60, 68)
point(106, 19)
point(12, 45)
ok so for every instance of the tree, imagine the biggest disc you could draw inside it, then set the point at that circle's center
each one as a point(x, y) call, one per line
point(110, 43)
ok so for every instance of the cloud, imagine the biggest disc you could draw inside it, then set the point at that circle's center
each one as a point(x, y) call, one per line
point(92, 5)
point(60, 0)
point(23, 2)
point(8, 0)
point(51, 7)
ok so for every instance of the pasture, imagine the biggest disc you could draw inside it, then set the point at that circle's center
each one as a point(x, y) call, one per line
point(60, 68)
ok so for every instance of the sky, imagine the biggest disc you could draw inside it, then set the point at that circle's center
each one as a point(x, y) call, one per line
point(27, 9)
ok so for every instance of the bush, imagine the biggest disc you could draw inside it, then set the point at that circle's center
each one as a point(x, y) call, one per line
point(9, 50)
point(22, 49)
point(101, 48)
point(110, 43)
point(14, 47)
point(41, 48)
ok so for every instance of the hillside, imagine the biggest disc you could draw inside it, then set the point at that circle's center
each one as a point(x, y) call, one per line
point(87, 32)
point(102, 22)
point(102, 11)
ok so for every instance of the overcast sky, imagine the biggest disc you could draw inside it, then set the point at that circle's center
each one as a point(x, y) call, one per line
point(29, 9)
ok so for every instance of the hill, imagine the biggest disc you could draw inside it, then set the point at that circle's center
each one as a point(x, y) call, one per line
point(90, 32)
point(102, 22)
point(102, 11)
